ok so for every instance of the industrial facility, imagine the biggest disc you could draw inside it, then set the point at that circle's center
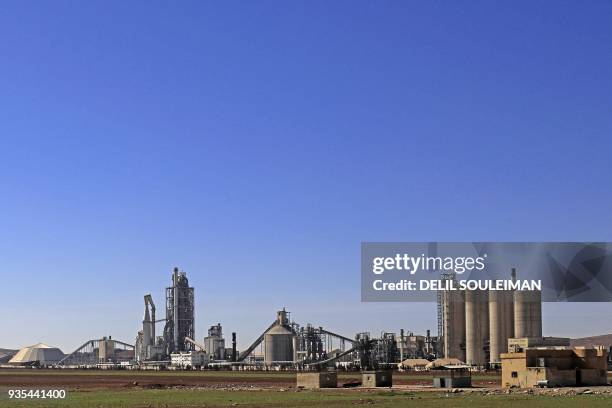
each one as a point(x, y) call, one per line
point(474, 325)
point(284, 344)
point(477, 330)
point(179, 323)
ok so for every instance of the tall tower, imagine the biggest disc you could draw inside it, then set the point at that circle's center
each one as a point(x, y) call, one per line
point(180, 316)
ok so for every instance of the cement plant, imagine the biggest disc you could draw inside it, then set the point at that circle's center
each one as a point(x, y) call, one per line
point(479, 333)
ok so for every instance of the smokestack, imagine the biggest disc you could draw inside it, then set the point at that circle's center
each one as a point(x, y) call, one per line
point(401, 345)
point(233, 346)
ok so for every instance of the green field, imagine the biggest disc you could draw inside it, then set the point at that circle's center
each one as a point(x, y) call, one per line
point(333, 398)
point(189, 389)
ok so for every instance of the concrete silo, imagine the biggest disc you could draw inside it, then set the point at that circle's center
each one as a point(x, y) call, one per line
point(476, 326)
point(279, 341)
point(527, 313)
point(453, 309)
point(501, 323)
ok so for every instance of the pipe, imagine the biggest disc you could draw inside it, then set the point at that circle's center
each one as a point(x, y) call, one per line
point(192, 341)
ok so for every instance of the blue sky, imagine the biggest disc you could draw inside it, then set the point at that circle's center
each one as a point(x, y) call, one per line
point(257, 144)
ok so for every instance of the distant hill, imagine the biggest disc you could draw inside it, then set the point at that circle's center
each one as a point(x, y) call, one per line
point(6, 354)
point(603, 340)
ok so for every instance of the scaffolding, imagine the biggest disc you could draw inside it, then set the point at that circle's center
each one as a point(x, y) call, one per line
point(439, 350)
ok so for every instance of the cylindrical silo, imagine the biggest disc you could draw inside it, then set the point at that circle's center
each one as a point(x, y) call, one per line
point(454, 324)
point(476, 326)
point(508, 322)
point(527, 313)
point(536, 314)
point(501, 323)
point(278, 345)
point(495, 319)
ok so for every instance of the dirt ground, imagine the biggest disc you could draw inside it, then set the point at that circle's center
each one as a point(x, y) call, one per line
point(75, 379)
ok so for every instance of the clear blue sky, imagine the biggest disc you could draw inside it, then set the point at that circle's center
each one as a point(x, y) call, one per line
point(256, 144)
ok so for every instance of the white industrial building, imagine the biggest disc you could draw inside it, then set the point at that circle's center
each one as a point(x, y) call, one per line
point(189, 359)
point(214, 343)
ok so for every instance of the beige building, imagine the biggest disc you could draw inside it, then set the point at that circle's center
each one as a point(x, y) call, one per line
point(517, 345)
point(553, 366)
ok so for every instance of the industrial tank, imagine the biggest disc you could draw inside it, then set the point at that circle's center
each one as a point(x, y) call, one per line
point(454, 324)
point(278, 344)
point(501, 323)
point(476, 326)
point(278, 340)
point(527, 313)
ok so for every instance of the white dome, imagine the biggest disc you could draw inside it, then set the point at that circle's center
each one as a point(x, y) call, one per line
point(39, 352)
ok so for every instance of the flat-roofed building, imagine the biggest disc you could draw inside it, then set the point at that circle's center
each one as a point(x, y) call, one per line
point(519, 344)
point(554, 366)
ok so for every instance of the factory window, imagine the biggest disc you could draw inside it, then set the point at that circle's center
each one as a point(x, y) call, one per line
point(514, 374)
